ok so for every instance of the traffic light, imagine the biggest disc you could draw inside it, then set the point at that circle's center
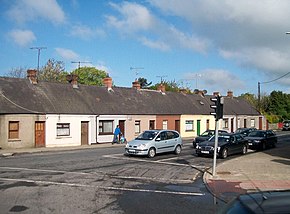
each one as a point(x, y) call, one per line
point(218, 107)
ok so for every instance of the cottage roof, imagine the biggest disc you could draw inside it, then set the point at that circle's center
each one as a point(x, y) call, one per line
point(20, 96)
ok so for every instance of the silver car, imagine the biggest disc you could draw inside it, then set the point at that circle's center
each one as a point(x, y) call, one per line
point(152, 142)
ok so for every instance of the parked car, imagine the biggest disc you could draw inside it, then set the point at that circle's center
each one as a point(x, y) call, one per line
point(259, 202)
point(228, 144)
point(261, 139)
point(245, 131)
point(153, 142)
point(205, 136)
point(286, 125)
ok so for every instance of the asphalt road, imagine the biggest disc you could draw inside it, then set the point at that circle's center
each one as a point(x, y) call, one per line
point(104, 180)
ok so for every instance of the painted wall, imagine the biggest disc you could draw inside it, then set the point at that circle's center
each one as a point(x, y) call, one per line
point(193, 133)
point(26, 130)
point(129, 125)
point(74, 139)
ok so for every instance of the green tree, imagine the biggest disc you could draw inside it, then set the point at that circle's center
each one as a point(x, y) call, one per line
point(90, 76)
point(53, 71)
point(143, 82)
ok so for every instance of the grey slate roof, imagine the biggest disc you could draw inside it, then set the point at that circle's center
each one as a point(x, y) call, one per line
point(20, 96)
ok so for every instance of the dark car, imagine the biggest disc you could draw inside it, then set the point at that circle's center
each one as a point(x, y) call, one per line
point(205, 136)
point(261, 139)
point(286, 125)
point(245, 131)
point(228, 144)
point(259, 202)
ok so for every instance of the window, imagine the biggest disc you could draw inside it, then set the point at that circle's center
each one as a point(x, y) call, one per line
point(189, 125)
point(164, 124)
point(105, 127)
point(13, 130)
point(252, 122)
point(137, 126)
point(152, 124)
point(226, 123)
point(62, 129)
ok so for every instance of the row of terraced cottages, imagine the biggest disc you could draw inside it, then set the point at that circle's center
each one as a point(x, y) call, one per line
point(48, 114)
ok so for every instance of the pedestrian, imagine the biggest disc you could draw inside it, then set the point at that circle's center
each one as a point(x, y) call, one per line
point(117, 132)
point(123, 139)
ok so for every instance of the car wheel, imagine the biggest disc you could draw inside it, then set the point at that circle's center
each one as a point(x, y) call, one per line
point(177, 150)
point(151, 153)
point(245, 149)
point(224, 153)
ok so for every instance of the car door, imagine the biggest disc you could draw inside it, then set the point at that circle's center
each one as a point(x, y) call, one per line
point(161, 142)
point(235, 146)
point(171, 140)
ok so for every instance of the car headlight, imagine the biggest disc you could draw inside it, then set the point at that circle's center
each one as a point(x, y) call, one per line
point(257, 141)
point(141, 146)
point(198, 147)
point(218, 149)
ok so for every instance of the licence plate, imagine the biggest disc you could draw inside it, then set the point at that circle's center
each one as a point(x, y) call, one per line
point(131, 150)
point(205, 152)
point(250, 144)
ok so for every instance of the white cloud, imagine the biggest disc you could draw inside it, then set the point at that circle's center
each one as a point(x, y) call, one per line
point(31, 10)
point(67, 54)
point(217, 80)
point(136, 20)
point(86, 33)
point(22, 37)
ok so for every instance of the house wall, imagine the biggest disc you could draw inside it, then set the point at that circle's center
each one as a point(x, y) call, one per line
point(74, 138)
point(170, 121)
point(203, 125)
point(129, 125)
point(26, 130)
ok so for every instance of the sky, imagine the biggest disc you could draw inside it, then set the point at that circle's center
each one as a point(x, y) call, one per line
point(213, 45)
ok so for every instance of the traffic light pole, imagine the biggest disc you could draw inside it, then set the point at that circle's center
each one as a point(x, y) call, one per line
point(215, 147)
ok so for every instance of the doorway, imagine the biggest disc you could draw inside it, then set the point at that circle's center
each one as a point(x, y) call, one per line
point(39, 134)
point(84, 133)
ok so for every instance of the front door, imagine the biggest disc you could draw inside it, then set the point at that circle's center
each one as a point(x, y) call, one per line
point(122, 126)
point(177, 125)
point(198, 128)
point(84, 133)
point(39, 134)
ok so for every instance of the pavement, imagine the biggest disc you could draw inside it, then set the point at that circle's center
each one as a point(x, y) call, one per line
point(267, 170)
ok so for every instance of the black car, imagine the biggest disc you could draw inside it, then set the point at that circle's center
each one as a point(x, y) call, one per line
point(245, 131)
point(205, 136)
point(261, 139)
point(286, 125)
point(259, 202)
point(228, 144)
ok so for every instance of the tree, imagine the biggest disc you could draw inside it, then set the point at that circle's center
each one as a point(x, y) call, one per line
point(143, 82)
point(17, 72)
point(90, 75)
point(53, 71)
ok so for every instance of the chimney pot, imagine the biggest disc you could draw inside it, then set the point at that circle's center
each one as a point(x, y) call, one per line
point(136, 85)
point(107, 81)
point(161, 88)
point(230, 94)
point(32, 76)
point(216, 93)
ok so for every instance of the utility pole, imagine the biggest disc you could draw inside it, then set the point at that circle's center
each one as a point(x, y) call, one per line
point(136, 70)
point(79, 63)
point(38, 55)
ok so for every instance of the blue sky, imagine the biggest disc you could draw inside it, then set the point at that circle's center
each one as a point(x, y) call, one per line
point(213, 45)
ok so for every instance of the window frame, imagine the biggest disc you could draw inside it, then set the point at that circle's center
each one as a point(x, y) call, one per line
point(101, 127)
point(13, 133)
point(189, 125)
point(137, 126)
point(62, 129)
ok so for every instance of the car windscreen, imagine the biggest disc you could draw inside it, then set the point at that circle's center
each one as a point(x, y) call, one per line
point(257, 134)
point(207, 133)
point(147, 135)
point(224, 138)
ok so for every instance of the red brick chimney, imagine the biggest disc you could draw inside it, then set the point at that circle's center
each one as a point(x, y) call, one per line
point(108, 82)
point(73, 79)
point(230, 94)
point(161, 88)
point(32, 76)
point(136, 85)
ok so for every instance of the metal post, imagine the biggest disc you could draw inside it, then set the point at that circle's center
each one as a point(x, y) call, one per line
point(215, 147)
point(259, 96)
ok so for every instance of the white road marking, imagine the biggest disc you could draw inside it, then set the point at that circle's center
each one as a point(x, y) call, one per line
point(106, 188)
point(153, 179)
point(43, 170)
point(117, 156)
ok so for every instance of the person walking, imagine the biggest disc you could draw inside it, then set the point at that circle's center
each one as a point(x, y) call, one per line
point(117, 132)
